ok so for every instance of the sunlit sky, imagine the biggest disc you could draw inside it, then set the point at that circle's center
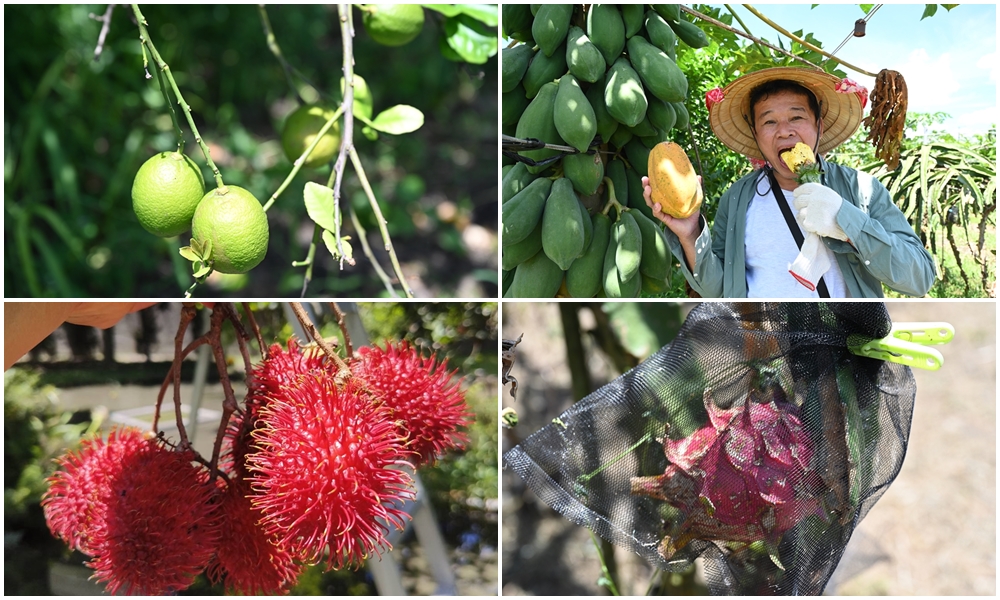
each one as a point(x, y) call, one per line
point(949, 61)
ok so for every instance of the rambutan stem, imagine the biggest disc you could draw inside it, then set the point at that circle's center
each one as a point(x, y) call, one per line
point(310, 328)
point(229, 403)
point(255, 329)
point(188, 313)
point(343, 328)
point(170, 377)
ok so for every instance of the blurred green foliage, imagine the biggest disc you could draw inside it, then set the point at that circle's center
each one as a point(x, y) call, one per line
point(76, 130)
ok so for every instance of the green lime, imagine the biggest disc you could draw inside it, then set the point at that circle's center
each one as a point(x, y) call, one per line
point(166, 191)
point(301, 128)
point(235, 222)
point(393, 24)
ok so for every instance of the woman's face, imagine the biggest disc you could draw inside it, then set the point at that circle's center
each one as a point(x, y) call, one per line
point(782, 120)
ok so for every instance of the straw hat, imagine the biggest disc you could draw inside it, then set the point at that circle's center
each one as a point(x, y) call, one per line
point(840, 106)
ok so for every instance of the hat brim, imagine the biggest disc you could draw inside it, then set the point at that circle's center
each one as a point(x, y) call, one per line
point(840, 112)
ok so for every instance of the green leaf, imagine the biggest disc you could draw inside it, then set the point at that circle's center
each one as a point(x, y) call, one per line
point(399, 119)
point(331, 245)
point(472, 40)
point(948, 7)
point(929, 11)
point(487, 13)
point(197, 247)
point(364, 104)
point(866, 7)
point(203, 271)
point(206, 250)
point(320, 206)
point(369, 133)
point(188, 253)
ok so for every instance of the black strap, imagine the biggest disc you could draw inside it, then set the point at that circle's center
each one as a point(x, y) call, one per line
point(793, 226)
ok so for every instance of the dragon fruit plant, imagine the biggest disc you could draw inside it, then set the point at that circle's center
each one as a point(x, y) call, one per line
point(744, 477)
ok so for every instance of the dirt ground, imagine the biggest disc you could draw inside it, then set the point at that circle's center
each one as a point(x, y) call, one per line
point(932, 533)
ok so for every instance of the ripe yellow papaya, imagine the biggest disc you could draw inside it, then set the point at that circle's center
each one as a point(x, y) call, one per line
point(673, 181)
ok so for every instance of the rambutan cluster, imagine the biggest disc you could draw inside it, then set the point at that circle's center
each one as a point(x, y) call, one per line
point(313, 469)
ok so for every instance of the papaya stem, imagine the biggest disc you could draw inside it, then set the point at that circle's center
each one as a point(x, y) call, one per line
point(612, 199)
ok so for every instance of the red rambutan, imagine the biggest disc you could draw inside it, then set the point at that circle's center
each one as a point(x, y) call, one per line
point(426, 405)
point(249, 561)
point(161, 522)
point(323, 473)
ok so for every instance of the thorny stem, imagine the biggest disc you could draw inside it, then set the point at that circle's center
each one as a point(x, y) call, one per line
point(147, 42)
point(343, 328)
point(347, 134)
point(356, 161)
point(310, 328)
point(367, 249)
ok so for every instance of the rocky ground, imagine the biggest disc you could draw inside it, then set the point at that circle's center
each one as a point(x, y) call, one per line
point(932, 533)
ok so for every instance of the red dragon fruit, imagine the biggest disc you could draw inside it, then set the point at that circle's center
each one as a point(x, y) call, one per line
point(742, 478)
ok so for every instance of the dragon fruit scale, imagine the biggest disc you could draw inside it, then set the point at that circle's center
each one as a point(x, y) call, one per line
point(740, 478)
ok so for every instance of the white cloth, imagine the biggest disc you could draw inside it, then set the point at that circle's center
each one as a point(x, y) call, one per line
point(771, 250)
point(812, 262)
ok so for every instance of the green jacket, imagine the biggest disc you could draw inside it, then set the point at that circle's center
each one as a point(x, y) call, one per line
point(885, 248)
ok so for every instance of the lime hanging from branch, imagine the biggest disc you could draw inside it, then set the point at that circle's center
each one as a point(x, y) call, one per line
point(301, 129)
point(165, 193)
point(393, 24)
point(232, 219)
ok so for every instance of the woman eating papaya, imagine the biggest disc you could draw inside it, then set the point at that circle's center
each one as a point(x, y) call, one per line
point(821, 230)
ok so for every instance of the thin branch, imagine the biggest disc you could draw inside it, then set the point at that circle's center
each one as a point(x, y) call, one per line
point(310, 328)
point(106, 25)
point(188, 313)
point(310, 260)
point(165, 68)
point(302, 159)
point(367, 249)
point(731, 29)
point(343, 328)
point(356, 161)
point(746, 29)
point(347, 133)
point(255, 329)
point(229, 401)
point(794, 37)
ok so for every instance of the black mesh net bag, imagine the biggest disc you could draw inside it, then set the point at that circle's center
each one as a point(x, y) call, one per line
point(755, 440)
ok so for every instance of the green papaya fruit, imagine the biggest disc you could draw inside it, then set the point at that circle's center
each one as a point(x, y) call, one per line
point(616, 173)
point(541, 70)
point(573, 115)
point(635, 198)
point(516, 179)
point(609, 271)
point(659, 136)
point(653, 287)
point(670, 12)
point(623, 93)
point(537, 277)
point(690, 34)
point(504, 170)
point(645, 127)
point(628, 254)
point(630, 288)
point(621, 136)
point(682, 116)
point(660, 75)
point(534, 8)
point(661, 114)
point(521, 214)
point(513, 64)
point(660, 34)
point(536, 123)
point(606, 29)
point(638, 156)
point(632, 18)
point(562, 224)
point(517, 20)
point(512, 106)
point(550, 26)
point(584, 277)
point(585, 171)
point(656, 255)
point(515, 254)
point(507, 279)
point(583, 58)
point(606, 124)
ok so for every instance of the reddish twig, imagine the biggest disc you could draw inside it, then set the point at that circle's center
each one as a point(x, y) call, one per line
point(188, 313)
point(310, 328)
point(170, 376)
point(255, 329)
point(343, 329)
point(229, 402)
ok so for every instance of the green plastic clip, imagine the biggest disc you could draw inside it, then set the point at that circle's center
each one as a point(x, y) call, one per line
point(905, 345)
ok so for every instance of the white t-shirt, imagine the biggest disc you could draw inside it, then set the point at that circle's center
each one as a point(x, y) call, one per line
point(771, 249)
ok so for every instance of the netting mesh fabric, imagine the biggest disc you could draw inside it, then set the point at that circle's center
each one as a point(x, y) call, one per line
point(755, 440)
